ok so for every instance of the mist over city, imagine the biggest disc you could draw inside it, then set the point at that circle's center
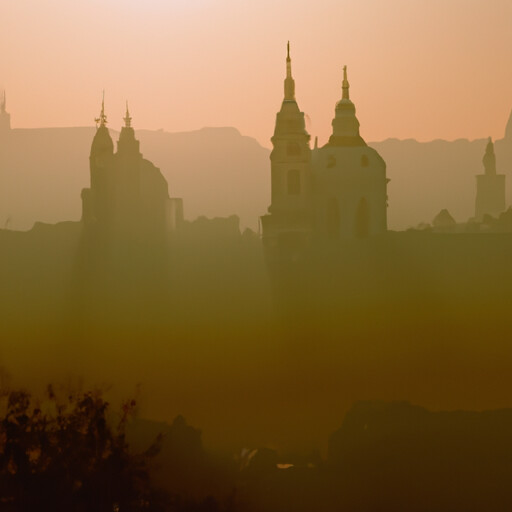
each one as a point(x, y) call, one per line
point(255, 256)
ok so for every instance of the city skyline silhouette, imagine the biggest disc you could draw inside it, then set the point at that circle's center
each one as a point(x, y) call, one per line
point(255, 257)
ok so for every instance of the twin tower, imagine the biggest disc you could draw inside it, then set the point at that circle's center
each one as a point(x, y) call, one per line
point(128, 195)
point(337, 191)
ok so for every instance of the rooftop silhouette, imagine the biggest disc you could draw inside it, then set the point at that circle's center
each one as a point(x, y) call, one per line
point(128, 194)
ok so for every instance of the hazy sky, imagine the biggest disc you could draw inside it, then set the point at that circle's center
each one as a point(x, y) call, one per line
point(421, 69)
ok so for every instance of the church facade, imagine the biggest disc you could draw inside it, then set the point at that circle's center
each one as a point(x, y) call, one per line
point(338, 191)
point(128, 194)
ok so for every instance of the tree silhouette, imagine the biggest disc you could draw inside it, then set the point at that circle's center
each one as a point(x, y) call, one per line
point(64, 456)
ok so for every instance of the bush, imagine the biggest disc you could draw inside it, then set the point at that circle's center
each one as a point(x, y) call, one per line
point(64, 456)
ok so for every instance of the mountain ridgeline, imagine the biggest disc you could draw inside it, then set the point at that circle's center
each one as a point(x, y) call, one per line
point(220, 172)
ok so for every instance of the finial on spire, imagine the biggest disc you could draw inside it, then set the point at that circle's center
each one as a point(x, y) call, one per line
point(289, 83)
point(345, 86)
point(102, 120)
point(127, 118)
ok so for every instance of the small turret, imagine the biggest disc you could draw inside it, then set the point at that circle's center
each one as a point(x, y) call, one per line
point(5, 118)
point(490, 187)
point(127, 144)
point(289, 82)
point(489, 159)
point(345, 86)
point(102, 142)
point(127, 118)
point(102, 120)
point(345, 126)
point(508, 129)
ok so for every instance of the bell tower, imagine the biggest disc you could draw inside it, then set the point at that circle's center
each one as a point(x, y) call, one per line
point(95, 204)
point(490, 187)
point(289, 216)
point(291, 155)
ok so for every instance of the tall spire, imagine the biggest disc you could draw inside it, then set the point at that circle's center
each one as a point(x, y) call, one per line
point(127, 118)
point(289, 83)
point(103, 118)
point(345, 85)
point(489, 159)
point(508, 129)
point(3, 104)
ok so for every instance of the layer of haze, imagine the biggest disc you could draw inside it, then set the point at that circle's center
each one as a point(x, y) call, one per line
point(425, 69)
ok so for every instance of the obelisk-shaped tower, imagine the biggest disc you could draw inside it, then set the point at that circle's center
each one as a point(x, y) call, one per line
point(490, 187)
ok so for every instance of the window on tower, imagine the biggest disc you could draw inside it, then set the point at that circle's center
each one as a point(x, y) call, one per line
point(293, 182)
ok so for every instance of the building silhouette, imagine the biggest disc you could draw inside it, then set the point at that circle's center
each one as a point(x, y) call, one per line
point(128, 194)
point(5, 118)
point(490, 187)
point(332, 192)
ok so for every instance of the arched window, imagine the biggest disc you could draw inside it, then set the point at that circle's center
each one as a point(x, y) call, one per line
point(293, 182)
point(333, 218)
point(292, 149)
point(362, 221)
point(364, 161)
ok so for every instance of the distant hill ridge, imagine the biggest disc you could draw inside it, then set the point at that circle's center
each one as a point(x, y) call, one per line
point(220, 172)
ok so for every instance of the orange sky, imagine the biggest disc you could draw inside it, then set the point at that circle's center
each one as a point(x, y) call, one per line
point(421, 69)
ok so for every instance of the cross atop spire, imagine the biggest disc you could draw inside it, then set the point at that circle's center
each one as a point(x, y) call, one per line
point(102, 120)
point(289, 82)
point(345, 85)
point(127, 118)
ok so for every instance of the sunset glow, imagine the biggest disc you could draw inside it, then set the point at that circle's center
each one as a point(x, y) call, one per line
point(423, 69)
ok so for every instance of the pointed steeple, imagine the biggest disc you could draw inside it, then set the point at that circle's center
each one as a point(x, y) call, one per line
point(127, 143)
point(289, 120)
point(508, 129)
point(127, 118)
point(345, 126)
point(102, 120)
point(102, 142)
point(489, 159)
point(289, 82)
point(345, 85)
point(5, 118)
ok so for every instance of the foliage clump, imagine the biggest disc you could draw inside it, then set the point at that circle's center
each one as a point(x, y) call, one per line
point(63, 455)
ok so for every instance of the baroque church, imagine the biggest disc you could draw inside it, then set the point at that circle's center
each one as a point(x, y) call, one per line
point(128, 194)
point(338, 191)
